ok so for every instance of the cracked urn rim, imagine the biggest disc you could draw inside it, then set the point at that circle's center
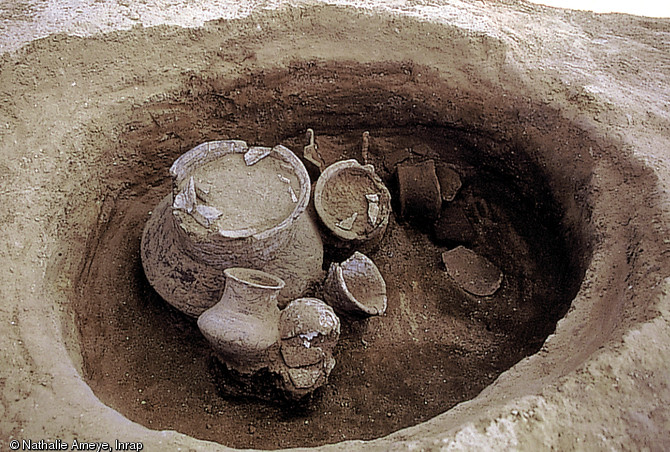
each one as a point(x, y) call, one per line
point(209, 152)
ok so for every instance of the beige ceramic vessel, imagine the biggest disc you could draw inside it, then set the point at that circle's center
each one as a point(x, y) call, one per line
point(204, 226)
point(243, 326)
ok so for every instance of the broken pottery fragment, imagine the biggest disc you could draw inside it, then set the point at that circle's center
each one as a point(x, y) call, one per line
point(243, 325)
point(311, 153)
point(365, 148)
point(297, 352)
point(472, 272)
point(294, 198)
point(305, 377)
point(309, 331)
point(356, 287)
point(419, 190)
point(256, 153)
point(450, 182)
point(285, 180)
point(205, 215)
point(353, 204)
point(185, 199)
point(453, 226)
point(231, 206)
point(373, 208)
point(347, 223)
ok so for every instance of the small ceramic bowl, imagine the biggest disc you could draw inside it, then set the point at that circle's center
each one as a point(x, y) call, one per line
point(352, 203)
point(356, 287)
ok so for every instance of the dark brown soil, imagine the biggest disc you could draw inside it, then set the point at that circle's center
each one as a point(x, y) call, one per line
point(435, 347)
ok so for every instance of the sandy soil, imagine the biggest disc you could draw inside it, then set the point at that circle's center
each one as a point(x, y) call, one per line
point(556, 121)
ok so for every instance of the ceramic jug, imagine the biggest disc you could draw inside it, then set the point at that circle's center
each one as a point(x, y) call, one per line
point(243, 326)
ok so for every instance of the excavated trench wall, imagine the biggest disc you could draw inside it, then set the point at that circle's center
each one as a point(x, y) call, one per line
point(89, 121)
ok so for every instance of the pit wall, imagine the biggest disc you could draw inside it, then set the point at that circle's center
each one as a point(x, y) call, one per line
point(60, 88)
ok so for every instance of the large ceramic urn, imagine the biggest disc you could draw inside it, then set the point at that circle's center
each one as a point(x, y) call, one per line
point(231, 206)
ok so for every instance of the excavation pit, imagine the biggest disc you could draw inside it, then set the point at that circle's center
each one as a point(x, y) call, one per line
point(546, 188)
point(163, 375)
